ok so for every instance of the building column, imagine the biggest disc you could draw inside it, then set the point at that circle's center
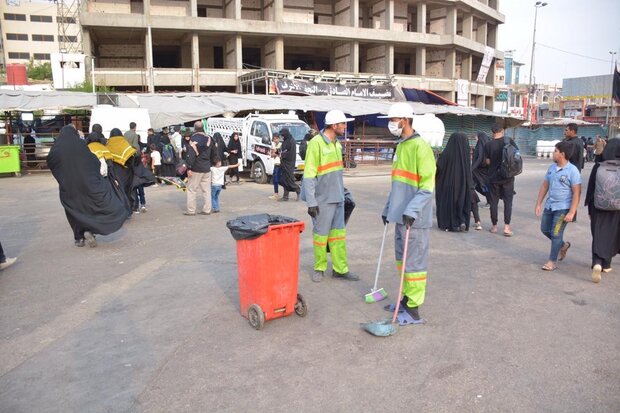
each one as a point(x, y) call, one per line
point(193, 8)
point(146, 9)
point(195, 63)
point(451, 21)
point(150, 81)
point(468, 26)
point(278, 10)
point(389, 14)
point(420, 61)
point(273, 54)
point(421, 21)
point(354, 13)
point(346, 57)
point(449, 66)
point(466, 66)
point(233, 53)
point(481, 33)
point(491, 74)
point(232, 9)
point(87, 49)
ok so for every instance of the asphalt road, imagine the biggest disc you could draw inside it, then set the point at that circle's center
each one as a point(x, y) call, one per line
point(149, 321)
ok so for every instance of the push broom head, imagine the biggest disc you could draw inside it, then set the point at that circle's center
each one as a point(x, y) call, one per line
point(374, 296)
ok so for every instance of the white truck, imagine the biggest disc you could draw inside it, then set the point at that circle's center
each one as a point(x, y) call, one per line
point(255, 134)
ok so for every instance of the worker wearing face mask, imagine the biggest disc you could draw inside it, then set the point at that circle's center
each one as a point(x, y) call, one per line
point(410, 205)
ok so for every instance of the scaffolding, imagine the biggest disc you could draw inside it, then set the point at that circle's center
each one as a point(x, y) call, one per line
point(69, 29)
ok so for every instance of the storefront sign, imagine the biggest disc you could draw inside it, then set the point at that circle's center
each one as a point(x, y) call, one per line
point(289, 86)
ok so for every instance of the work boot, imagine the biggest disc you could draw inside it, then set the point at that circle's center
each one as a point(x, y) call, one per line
point(413, 312)
point(317, 276)
point(349, 276)
point(79, 242)
point(90, 239)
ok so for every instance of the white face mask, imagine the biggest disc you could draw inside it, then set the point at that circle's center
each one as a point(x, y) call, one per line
point(394, 129)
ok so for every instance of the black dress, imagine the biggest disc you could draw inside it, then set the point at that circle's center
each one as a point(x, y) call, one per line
point(233, 157)
point(604, 225)
point(453, 185)
point(288, 156)
point(479, 170)
point(91, 201)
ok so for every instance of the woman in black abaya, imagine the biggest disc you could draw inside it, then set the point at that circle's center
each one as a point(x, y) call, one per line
point(91, 203)
point(453, 185)
point(288, 155)
point(234, 153)
point(479, 170)
point(604, 225)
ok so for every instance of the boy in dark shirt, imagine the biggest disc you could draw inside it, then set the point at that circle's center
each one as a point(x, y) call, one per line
point(499, 186)
point(570, 136)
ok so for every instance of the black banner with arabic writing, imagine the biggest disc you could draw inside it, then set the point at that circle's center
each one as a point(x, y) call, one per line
point(288, 86)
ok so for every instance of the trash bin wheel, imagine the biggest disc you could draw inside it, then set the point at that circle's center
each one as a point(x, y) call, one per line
point(256, 316)
point(301, 308)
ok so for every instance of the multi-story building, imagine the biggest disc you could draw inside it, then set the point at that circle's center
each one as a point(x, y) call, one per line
point(209, 44)
point(589, 98)
point(34, 30)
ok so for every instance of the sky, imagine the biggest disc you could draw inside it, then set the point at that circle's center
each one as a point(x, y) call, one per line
point(590, 28)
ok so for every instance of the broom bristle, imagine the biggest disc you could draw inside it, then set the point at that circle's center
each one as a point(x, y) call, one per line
point(375, 296)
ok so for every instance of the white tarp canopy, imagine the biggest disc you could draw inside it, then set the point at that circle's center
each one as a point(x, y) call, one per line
point(169, 109)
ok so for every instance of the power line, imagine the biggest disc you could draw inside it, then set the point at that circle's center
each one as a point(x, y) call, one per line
point(575, 54)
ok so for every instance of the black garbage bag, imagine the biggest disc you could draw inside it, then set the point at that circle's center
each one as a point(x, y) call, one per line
point(253, 226)
point(349, 205)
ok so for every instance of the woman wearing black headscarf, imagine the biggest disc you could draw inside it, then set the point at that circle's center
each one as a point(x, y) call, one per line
point(453, 185)
point(234, 153)
point(91, 203)
point(288, 155)
point(604, 225)
point(479, 169)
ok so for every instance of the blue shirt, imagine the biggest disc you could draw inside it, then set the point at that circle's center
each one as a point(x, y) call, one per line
point(561, 181)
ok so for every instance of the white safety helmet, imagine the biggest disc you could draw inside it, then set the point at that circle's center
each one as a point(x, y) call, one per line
point(336, 116)
point(399, 110)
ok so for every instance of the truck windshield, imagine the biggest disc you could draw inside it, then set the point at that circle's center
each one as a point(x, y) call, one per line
point(298, 130)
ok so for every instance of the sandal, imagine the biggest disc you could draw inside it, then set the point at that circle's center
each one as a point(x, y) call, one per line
point(548, 267)
point(508, 233)
point(564, 250)
point(405, 318)
point(493, 230)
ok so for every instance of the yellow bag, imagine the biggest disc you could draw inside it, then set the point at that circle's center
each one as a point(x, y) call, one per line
point(121, 149)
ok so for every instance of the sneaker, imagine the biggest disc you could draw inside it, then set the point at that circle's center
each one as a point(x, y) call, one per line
point(6, 264)
point(79, 242)
point(136, 211)
point(478, 226)
point(349, 276)
point(204, 213)
point(274, 196)
point(90, 239)
point(596, 273)
point(607, 270)
point(317, 276)
point(142, 208)
point(189, 214)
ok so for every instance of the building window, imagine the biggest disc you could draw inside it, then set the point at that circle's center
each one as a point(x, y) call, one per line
point(42, 38)
point(41, 56)
point(16, 36)
point(61, 19)
point(42, 19)
point(71, 39)
point(19, 55)
point(13, 16)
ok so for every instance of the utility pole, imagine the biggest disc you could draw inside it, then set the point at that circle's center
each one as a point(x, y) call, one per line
point(611, 96)
point(530, 92)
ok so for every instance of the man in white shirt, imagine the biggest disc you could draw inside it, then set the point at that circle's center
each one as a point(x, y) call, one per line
point(176, 140)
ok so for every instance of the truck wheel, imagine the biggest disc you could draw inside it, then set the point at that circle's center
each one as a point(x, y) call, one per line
point(258, 169)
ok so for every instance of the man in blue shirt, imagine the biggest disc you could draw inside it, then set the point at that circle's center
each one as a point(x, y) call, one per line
point(563, 183)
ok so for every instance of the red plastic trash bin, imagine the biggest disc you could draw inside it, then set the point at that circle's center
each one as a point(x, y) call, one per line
point(268, 269)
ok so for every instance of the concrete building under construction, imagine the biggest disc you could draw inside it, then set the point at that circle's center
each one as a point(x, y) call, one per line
point(199, 45)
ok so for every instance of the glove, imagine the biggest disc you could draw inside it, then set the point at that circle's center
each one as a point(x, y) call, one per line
point(103, 168)
point(408, 221)
point(384, 218)
point(313, 211)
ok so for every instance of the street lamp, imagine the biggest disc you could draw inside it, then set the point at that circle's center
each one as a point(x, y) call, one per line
point(611, 95)
point(530, 92)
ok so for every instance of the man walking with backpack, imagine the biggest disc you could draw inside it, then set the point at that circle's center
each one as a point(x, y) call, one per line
point(504, 165)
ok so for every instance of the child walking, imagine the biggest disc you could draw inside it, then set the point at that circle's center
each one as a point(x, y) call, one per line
point(563, 183)
point(217, 183)
point(155, 160)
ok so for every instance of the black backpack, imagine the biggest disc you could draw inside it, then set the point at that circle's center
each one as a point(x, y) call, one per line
point(512, 163)
point(167, 154)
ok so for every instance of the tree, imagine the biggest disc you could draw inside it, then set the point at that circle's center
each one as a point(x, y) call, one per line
point(39, 71)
